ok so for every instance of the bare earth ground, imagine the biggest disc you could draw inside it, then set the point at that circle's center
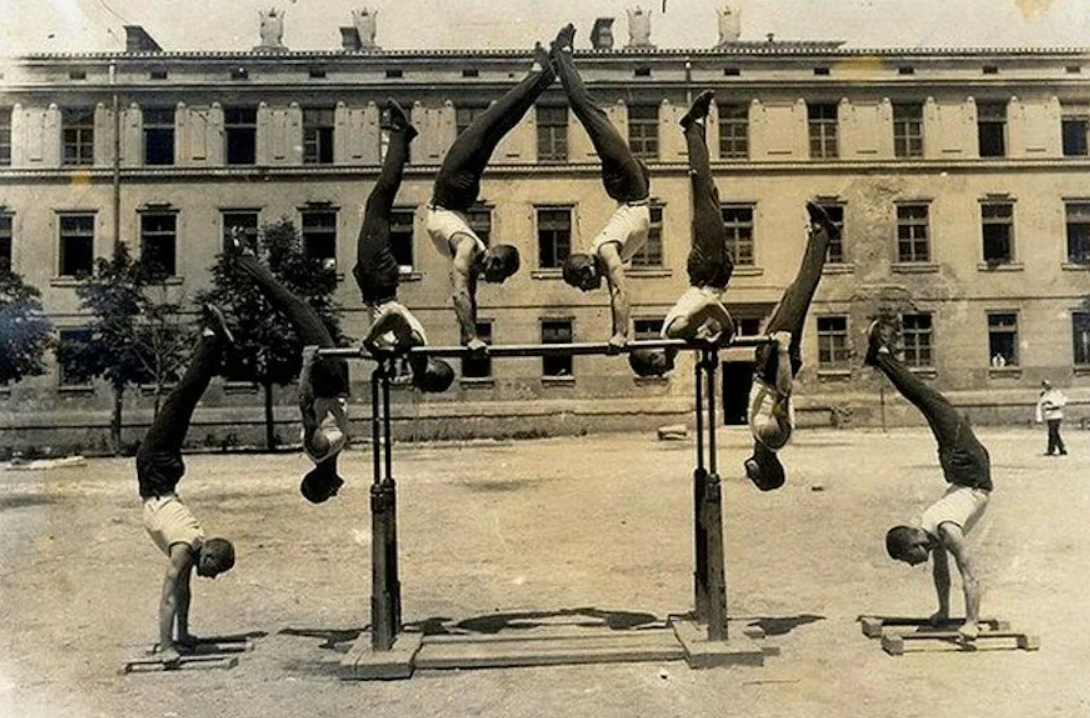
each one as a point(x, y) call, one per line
point(547, 526)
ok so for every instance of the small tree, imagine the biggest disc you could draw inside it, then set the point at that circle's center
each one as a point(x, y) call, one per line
point(25, 333)
point(136, 335)
point(267, 350)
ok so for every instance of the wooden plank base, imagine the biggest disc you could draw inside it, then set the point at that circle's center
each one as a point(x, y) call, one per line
point(363, 663)
point(874, 626)
point(187, 662)
point(894, 643)
point(744, 650)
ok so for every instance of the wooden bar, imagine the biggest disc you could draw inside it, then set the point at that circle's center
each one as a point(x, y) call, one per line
point(539, 350)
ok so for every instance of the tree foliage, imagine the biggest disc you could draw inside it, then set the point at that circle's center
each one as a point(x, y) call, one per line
point(267, 350)
point(25, 333)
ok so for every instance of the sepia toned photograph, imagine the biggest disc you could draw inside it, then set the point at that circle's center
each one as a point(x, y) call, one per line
point(586, 358)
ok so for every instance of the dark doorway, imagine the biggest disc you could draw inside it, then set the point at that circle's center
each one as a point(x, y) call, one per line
point(737, 381)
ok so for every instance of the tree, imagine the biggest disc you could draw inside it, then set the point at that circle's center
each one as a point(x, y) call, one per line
point(267, 350)
point(25, 333)
point(137, 336)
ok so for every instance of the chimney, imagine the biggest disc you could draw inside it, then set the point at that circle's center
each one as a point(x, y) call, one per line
point(601, 37)
point(138, 40)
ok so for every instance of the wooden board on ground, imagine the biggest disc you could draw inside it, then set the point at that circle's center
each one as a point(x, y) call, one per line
point(874, 626)
point(894, 643)
point(187, 662)
point(206, 647)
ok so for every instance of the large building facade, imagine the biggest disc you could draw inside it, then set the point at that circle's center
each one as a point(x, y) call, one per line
point(960, 178)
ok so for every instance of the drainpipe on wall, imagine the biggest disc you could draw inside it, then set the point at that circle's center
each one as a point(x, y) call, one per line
point(116, 159)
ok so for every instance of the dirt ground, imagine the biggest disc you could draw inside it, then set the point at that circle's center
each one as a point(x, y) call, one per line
point(548, 526)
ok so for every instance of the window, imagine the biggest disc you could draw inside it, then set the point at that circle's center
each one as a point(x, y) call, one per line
point(5, 239)
point(159, 136)
point(733, 132)
point(243, 219)
point(240, 131)
point(77, 244)
point(647, 329)
point(553, 236)
point(643, 131)
point(316, 73)
point(158, 75)
point(835, 254)
point(318, 136)
point(240, 73)
point(912, 233)
point(394, 73)
point(908, 130)
point(991, 125)
point(78, 133)
point(401, 237)
point(642, 72)
point(1078, 232)
point(1003, 338)
point(990, 69)
point(479, 219)
point(70, 373)
point(906, 70)
point(552, 133)
point(1075, 126)
point(5, 136)
point(998, 227)
point(479, 367)
point(739, 223)
point(556, 331)
point(1080, 337)
point(821, 71)
point(748, 326)
point(464, 116)
point(732, 72)
point(822, 121)
point(158, 242)
point(650, 255)
point(320, 236)
point(833, 352)
point(916, 335)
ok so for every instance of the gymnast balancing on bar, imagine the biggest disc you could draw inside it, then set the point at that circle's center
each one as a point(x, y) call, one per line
point(393, 327)
point(699, 314)
point(457, 187)
point(626, 180)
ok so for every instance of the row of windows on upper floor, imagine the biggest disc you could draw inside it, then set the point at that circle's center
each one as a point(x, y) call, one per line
point(158, 235)
point(240, 133)
point(835, 347)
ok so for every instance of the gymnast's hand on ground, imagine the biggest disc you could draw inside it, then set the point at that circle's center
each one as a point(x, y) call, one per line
point(170, 656)
point(938, 617)
point(968, 631)
point(616, 343)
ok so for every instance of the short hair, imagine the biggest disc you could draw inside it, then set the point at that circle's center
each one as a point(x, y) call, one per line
point(648, 362)
point(320, 483)
point(221, 554)
point(898, 540)
point(575, 266)
point(508, 255)
point(772, 474)
point(435, 377)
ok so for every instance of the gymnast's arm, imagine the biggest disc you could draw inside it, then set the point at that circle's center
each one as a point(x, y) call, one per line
point(464, 280)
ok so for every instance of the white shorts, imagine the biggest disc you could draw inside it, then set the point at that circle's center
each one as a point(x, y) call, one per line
point(442, 224)
point(627, 227)
point(960, 505)
point(688, 303)
point(169, 521)
point(388, 339)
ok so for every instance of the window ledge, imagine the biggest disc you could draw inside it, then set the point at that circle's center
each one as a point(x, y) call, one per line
point(149, 389)
point(838, 268)
point(64, 282)
point(1080, 370)
point(649, 272)
point(747, 271)
point(1000, 266)
point(914, 267)
point(240, 387)
point(834, 374)
point(546, 274)
point(558, 380)
point(412, 276)
point(477, 382)
point(171, 281)
point(1004, 372)
point(651, 380)
point(928, 372)
point(76, 389)
point(1070, 266)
